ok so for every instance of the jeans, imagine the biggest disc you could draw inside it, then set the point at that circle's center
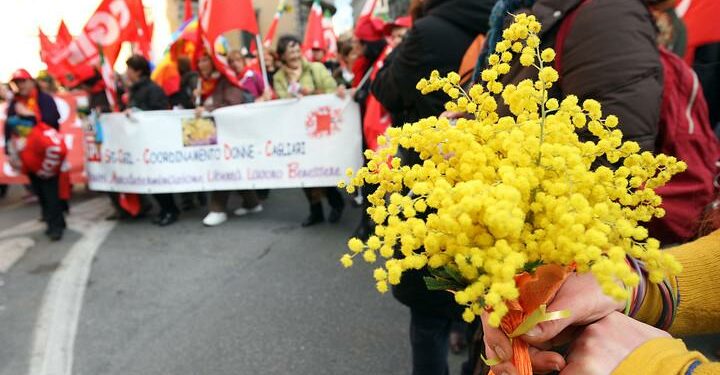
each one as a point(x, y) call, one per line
point(429, 339)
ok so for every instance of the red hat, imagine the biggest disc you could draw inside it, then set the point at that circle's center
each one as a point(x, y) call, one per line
point(404, 21)
point(20, 74)
point(369, 29)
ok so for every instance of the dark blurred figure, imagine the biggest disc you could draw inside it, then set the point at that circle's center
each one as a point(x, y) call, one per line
point(184, 98)
point(146, 95)
point(442, 32)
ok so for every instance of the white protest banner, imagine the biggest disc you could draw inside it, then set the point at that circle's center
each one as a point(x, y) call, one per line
point(307, 142)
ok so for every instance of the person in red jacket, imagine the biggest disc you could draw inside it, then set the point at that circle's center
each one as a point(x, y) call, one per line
point(29, 108)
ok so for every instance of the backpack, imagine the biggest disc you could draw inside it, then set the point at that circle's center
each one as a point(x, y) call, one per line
point(684, 132)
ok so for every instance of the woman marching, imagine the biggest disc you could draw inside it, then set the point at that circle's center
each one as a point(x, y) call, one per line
point(296, 78)
point(217, 91)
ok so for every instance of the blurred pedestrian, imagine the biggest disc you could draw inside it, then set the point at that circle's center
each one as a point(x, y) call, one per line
point(217, 92)
point(146, 95)
point(298, 78)
point(442, 32)
point(29, 108)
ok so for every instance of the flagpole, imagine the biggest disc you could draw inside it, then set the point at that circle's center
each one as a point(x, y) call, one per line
point(261, 55)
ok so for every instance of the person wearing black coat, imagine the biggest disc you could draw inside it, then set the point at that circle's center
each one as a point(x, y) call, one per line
point(146, 95)
point(437, 41)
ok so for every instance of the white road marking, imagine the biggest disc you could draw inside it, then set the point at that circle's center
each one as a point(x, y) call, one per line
point(11, 250)
point(57, 322)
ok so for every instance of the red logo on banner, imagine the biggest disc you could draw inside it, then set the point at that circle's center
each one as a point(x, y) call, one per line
point(324, 121)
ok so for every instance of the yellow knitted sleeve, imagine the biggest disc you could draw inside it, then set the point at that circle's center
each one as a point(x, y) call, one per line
point(664, 356)
point(699, 308)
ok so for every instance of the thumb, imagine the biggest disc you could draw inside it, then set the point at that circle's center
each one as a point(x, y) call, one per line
point(547, 331)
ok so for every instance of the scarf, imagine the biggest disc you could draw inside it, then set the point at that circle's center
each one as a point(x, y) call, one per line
point(208, 85)
point(31, 102)
point(293, 74)
point(494, 34)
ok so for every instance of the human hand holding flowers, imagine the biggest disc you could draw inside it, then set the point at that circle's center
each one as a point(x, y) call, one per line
point(582, 295)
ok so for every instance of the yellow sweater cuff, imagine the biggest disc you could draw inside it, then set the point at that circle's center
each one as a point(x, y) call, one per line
point(659, 356)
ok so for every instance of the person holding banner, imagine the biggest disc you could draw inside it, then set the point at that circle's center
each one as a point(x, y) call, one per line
point(295, 79)
point(250, 80)
point(33, 143)
point(146, 95)
point(217, 91)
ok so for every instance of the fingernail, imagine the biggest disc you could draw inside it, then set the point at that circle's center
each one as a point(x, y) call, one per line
point(557, 367)
point(500, 353)
point(534, 332)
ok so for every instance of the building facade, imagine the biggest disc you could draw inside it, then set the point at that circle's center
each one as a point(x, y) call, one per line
point(291, 23)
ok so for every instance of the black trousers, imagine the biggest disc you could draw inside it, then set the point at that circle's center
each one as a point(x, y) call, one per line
point(167, 203)
point(315, 195)
point(429, 340)
point(47, 191)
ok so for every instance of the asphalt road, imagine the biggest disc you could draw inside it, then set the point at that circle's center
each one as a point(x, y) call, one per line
point(258, 295)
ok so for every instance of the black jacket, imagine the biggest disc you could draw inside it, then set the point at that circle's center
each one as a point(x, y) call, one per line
point(437, 41)
point(146, 95)
point(184, 96)
point(707, 66)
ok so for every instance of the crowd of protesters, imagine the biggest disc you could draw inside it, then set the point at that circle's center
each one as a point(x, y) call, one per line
point(383, 61)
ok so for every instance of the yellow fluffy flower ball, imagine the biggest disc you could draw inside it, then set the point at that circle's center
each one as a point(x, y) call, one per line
point(494, 196)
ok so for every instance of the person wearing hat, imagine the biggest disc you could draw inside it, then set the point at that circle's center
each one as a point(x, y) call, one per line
point(396, 30)
point(368, 43)
point(28, 108)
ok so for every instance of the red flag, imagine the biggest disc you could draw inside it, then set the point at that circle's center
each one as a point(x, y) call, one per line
point(110, 25)
point(220, 16)
point(377, 119)
point(272, 30)
point(700, 17)
point(314, 38)
point(270, 36)
point(63, 37)
point(108, 76)
point(188, 11)
point(48, 50)
point(330, 37)
point(46, 46)
point(142, 35)
point(130, 203)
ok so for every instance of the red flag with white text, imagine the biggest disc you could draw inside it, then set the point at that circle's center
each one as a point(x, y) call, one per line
point(110, 25)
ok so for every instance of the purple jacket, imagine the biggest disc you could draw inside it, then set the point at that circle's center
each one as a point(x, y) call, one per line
point(252, 83)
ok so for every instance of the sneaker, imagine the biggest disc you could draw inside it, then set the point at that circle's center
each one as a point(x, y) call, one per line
point(246, 211)
point(214, 219)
